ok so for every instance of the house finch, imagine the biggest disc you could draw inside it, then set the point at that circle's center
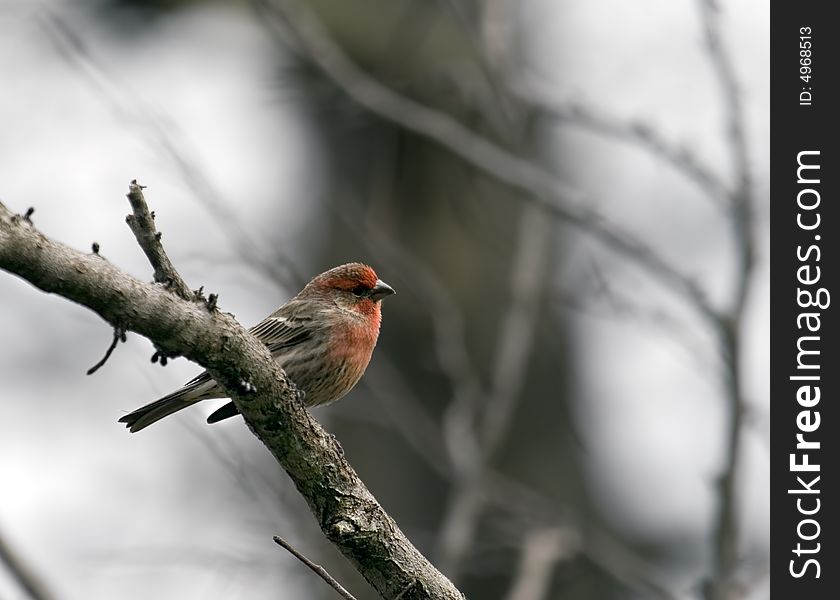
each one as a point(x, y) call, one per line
point(323, 338)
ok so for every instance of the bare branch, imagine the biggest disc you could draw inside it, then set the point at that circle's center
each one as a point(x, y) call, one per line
point(142, 224)
point(742, 197)
point(22, 573)
point(722, 585)
point(346, 511)
point(317, 569)
point(119, 336)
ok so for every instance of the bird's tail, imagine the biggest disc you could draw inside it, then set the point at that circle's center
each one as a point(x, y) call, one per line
point(200, 388)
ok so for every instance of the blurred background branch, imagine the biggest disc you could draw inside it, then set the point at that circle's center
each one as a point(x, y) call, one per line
point(542, 188)
point(724, 583)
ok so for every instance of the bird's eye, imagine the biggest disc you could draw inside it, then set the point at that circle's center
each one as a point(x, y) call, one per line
point(359, 291)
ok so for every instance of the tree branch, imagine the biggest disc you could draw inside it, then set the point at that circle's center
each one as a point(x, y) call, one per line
point(142, 224)
point(723, 585)
point(346, 511)
point(317, 569)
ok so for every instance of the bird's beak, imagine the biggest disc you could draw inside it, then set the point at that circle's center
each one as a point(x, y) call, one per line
point(380, 290)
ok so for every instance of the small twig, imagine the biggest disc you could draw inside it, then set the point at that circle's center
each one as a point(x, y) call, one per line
point(211, 301)
point(318, 569)
point(119, 336)
point(28, 215)
point(142, 224)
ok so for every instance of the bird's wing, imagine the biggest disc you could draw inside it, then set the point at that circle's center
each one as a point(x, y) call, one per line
point(279, 332)
point(276, 332)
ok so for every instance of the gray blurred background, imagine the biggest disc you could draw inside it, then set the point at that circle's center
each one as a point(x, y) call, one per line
point(548, 413)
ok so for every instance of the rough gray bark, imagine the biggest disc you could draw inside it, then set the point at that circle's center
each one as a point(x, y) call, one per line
point(346, 511)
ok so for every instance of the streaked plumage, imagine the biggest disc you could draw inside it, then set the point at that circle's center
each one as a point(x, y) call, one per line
point(323, 338)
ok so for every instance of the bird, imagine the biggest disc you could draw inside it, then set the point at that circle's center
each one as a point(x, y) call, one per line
point(323, 338)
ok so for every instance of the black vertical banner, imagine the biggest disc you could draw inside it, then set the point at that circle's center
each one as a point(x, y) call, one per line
point(805, 365)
